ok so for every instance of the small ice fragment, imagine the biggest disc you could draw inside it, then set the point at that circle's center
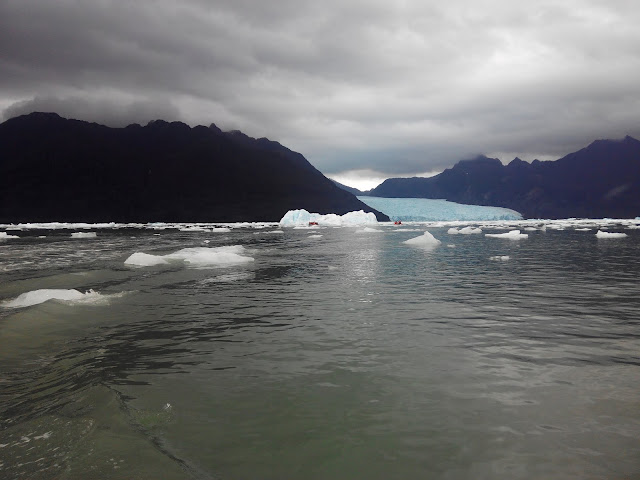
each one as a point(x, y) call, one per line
point(83, 235)
point(500, 257)
point(424, 240)
point(36, 297)
point(6, 236)
point(511, 235)
point(602, 234)
point(196, 256)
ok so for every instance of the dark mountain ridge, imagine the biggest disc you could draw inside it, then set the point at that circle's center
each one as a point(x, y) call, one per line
point(601, 180)
point(349, 189)
point(56, 169)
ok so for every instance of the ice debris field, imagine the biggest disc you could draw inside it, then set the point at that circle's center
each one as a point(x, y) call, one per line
point(360, 223)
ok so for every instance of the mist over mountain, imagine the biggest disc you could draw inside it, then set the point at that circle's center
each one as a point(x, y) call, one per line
point(601, 180)
point(56, 169)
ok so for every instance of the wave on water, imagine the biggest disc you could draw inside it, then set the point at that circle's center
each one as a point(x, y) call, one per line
point(36, 297)
point(197, 257)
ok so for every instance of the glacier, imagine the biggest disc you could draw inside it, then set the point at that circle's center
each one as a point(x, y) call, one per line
point(428, 210)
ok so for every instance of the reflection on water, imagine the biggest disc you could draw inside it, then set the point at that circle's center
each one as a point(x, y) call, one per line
point(346, 356)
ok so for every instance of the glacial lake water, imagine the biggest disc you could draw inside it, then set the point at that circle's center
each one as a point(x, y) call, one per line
point(333, 353)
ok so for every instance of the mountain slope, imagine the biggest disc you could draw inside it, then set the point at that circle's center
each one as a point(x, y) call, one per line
point(54, 169)
point(601, 180)
point(349, 189)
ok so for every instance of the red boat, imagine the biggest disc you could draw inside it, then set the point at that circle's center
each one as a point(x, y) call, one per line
point(397, 222)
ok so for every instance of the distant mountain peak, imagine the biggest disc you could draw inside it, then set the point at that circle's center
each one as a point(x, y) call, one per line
point(600, 180)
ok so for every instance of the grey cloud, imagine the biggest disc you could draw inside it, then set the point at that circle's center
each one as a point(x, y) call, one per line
point(112, 113)
point(395, 87)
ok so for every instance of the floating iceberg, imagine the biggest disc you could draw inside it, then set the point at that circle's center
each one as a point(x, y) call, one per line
point(6, 236)
point(301, 217)
point(602, 234)
point(424, 240)
point(196, 256)
point(36, 297)
point(511, 235)
point(426, 210)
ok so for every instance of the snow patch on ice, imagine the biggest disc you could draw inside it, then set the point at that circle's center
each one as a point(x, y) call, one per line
point(511, 235)
point(602, 234)
point(301, 218)
point(196, 257)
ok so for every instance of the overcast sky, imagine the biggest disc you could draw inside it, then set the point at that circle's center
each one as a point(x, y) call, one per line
point(364, 89)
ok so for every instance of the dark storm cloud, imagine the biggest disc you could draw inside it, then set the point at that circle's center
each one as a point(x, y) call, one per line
point(111, 112)
point(393, 87)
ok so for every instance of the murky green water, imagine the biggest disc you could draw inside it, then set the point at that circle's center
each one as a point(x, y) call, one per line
point(350, 355)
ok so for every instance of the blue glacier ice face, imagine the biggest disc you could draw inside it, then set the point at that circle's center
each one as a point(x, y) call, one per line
point(426, 210)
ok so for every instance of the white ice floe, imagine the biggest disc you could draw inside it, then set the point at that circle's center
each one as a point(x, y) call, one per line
point(297, 218)
point(196, 256)
point(369, 230)
point(141, 259)
point(314, 236)
point(83, 235)
point(424, 240)
point(582, 229)
point(6, 236)
point(275, 231)
point(36, 297)
point(499, 258)
point(511, 235)
point(602, 234)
